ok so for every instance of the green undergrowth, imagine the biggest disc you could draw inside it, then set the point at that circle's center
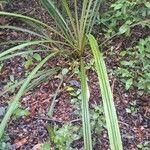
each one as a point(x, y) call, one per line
point(73, 32)
point(122, 16)
point(119, 21)
point(134, 67)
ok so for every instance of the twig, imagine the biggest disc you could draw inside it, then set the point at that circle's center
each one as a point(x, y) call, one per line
point(113, 85)
point(1, 7)
point(51, 109)
point(123, 123)
point(49, 119)
point(75, 120)
point(57, 121)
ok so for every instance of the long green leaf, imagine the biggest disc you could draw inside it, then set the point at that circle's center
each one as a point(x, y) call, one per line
point(21, 53)
point(83, 13)
point(41, 76)
point(35, 21)
point(36, 27)
point(81, 34)
point(18, 47)
point(65, 4)
point(76, 16)
point(107, 97)
point(15, 102)
point(54, 12)
point(14, 42)
point(87, 15)
point(23, 30)
point(92, 16)
point(30, 19)
point(85, 108)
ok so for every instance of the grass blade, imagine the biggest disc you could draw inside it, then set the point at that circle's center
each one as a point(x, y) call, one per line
point(15, 102)
point(85, 108)
point(107, 97)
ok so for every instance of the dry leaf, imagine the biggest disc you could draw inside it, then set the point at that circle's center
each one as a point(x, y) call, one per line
point(20, 143)
point(37, 147)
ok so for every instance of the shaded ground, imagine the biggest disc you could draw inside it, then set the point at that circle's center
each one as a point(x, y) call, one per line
point(31, 130)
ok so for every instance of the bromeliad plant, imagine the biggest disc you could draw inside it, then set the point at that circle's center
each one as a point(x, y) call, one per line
point(72, 33)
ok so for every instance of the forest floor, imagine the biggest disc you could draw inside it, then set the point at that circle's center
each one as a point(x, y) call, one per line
point(28, 132)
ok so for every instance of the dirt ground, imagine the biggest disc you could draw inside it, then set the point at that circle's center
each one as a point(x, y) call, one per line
point(31, 130)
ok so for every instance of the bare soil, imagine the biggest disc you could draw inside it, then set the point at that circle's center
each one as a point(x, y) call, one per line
point(31, 130)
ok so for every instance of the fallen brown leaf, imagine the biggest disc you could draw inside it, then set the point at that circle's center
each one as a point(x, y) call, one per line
point(3, 20)
point(20, 143)
point(37, 147)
